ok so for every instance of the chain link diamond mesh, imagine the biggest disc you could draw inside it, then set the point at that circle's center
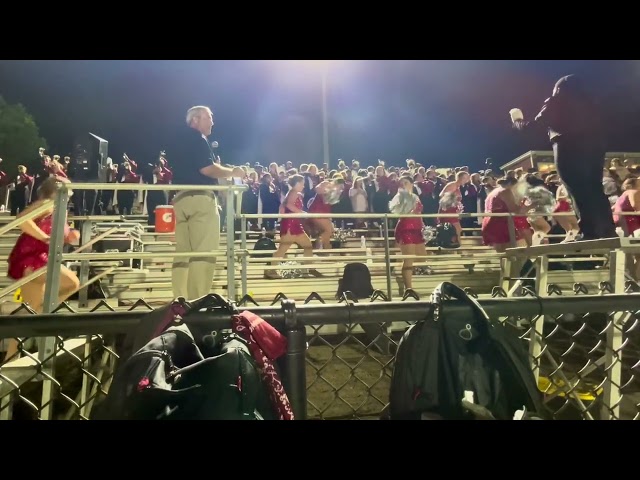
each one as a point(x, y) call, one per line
point(83, 370)
point(581, 362)
point(575, 358)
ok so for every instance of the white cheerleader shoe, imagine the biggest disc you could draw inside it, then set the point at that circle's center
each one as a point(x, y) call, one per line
point(537, 238)
point(571, 236)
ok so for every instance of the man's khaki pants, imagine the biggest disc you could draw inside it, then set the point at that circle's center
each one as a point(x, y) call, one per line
point(197, 230)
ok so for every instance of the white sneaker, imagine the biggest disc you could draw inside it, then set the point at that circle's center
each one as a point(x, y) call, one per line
point(537, 238)
point(571, 236)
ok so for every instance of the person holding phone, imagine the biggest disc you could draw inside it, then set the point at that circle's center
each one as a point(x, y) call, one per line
point(574, 124)
point(196, 212)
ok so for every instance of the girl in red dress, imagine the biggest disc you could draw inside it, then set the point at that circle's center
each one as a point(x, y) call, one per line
point(629, 201)
point(31, 252)
point(451, 202)
point(521, 222)
point(495, 230)
point(534, 198)
point(408, 233)
point(291, 229)
point(569, 223)
point(328, 193)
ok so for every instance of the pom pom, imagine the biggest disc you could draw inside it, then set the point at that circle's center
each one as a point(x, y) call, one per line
point(540, 200)
point(332, 196)
point(290, 272)
point(450, 200)
point(428, 234)
point(403, 203)
point(422, 271)
point(341, 235)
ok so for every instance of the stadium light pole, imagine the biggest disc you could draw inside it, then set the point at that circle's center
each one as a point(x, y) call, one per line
point(325, 121)
point(321, 66)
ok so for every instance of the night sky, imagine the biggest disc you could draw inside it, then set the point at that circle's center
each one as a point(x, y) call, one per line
point(439, 112)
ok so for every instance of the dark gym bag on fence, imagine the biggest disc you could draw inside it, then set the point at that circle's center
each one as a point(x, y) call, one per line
point(221, 376)
point(356, 278)
point(463, 367)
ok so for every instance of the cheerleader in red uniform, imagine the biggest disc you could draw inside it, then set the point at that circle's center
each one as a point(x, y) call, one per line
point(408, 233)
point(563, 205)
point(451, 202)
point(539, 202)
point(31, 252)
point(328, 193)
point(291, 229)
point(495, 230)
point(629, 201)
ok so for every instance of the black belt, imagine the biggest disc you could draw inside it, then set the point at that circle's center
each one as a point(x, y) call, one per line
point(194, 193)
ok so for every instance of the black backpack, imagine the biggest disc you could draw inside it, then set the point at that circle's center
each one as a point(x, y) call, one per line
point(445, 237)
point(356, 278)
point(462, 367)
point(264, 243)
point(170, 379)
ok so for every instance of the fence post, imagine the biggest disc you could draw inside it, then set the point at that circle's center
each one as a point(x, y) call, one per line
point(387, 256)
point(47, 349)
point(612, 397)
point(295, 379)
point(231, 236)
point(243, 246)
point(536, 335)
point(85, 236)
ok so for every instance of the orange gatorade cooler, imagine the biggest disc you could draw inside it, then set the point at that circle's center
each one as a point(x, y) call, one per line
point(165, 219)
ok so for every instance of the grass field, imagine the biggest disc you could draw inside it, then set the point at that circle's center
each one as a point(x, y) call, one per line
point(346, 382)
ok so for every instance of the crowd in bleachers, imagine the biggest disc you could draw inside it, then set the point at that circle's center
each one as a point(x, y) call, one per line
point(534, 202)
point(362, 189)
point(370, 189)
point(19, 190)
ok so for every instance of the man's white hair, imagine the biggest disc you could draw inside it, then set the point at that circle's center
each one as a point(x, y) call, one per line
point(194, 112)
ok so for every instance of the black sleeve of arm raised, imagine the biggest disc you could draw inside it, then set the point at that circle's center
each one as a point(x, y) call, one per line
point(546, 117)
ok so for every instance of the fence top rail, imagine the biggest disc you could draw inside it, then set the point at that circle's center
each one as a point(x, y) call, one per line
point(67, 324)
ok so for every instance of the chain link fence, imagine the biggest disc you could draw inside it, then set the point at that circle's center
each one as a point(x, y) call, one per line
point(57, 377)
point(586, 363)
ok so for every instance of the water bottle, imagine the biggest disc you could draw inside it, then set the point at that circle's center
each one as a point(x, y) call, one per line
point(363, 242)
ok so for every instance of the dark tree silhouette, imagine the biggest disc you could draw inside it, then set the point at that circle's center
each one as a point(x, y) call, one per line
point(19, 137)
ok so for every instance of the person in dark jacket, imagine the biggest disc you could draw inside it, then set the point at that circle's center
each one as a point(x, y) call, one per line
point(574, 124)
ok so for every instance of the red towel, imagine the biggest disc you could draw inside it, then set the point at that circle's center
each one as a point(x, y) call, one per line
point(265, 344)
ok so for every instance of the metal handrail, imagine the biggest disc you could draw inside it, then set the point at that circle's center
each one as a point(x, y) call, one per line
point(24, 280)
point(142, 255)
point(154, 187)
point(46, 205)
point(394, 215)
